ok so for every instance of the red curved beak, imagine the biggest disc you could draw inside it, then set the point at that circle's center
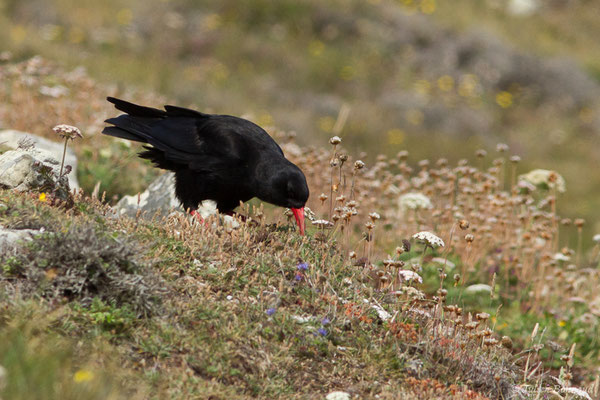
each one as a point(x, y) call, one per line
point(299, 214)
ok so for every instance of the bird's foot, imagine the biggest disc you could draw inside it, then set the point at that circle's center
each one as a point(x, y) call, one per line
point(196, 214)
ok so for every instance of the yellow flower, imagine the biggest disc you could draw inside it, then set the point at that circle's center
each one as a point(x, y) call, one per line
point(504, 99)
point(428, 6)
point(395, 136)
point(562, 323)
point(446, 83)
point(42, 197)
point(348, 73)
point(83, 375)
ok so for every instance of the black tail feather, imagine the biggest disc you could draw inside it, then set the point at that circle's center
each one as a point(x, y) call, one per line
point(123, 134)
point(136, 110)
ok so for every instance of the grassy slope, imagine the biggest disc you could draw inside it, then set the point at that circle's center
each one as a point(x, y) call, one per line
point(204, 343)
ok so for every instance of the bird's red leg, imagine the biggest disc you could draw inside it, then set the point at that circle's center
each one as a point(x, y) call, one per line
point(197, 215)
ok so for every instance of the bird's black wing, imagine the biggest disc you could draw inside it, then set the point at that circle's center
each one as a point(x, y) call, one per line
point(182, 137)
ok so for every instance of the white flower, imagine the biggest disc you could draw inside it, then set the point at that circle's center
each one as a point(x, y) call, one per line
point(414, 201)
point(479, 288)
point(409, 276)
point(561, 257)
point(429, 239)
point(596, 238)
point(545, 178)
point(338, 396)
point(67, 131)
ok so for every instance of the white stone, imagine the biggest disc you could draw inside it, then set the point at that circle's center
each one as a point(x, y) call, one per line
point(47, 151)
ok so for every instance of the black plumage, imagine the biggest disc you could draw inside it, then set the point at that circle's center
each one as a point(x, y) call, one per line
point(215, 157)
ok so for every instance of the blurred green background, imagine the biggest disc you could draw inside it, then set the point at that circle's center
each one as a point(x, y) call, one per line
point(438, 78)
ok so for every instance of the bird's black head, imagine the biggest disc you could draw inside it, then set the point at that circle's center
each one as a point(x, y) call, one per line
point(287, 188)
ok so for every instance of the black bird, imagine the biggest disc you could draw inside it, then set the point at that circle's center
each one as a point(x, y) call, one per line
point(215, 157)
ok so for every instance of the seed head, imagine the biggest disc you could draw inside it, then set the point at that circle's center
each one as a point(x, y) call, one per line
point(480, 153)
point(402, 155)
point(322, 223)
point(358, 164)
point(335, 140)
point(424, 163)
point(463, 224)
point(482, 316)
point(343, 158)
point(323, 197)
point(469, 238)
point(579, 222)
point(515, 159)
point(409, 276)
point(471, 325)
point(501, 147)
point(507, 342)
point(374, 216)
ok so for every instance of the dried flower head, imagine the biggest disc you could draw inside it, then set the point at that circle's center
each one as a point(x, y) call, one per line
point(429, 239)
point(409, 276)
point(463, 224)
point(507, 342)
point(322, 223)
point(469, 238)
point(67, 131)
point(481, 153)
point(482, 316)
point(374, 216)
point(501, 147)
point(358, 164)
point(335, 140)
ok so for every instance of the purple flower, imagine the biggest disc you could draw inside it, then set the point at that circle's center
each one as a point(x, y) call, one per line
point(270, 311)
point(303, 266)
point(325, 321)
point(298, 277)
point(322, 331)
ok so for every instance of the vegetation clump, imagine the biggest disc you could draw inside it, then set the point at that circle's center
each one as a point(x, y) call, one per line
point(81, 263)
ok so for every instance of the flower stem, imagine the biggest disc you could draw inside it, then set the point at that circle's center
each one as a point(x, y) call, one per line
point(62, 163)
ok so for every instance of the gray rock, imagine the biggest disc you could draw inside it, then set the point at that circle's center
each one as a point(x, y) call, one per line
point(17, 169)
point(9, 238)
point(43, 149)
point(159, 197)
